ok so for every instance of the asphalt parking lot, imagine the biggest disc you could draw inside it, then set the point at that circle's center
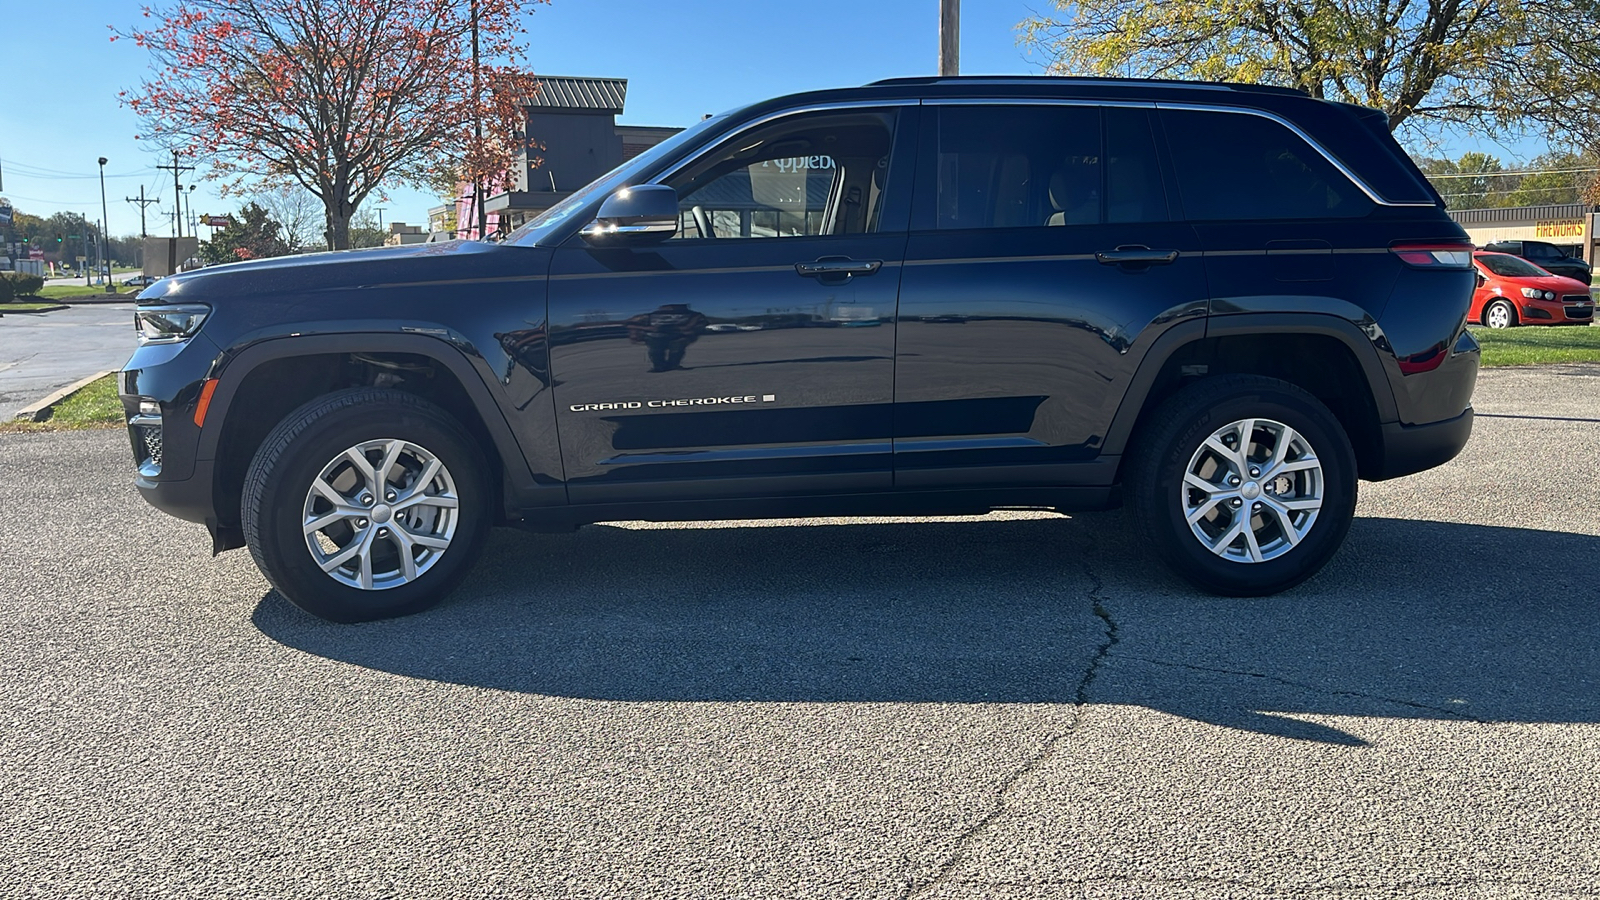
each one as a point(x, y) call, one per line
point(40, 353)
point(1015, 706)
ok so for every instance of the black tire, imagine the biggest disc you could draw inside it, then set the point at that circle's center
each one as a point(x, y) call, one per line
point(1511, 313)
point(1177, 430)
point(294, 455)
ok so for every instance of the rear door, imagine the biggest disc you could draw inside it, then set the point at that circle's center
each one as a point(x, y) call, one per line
point(1283, 230)
point(753, 353)
point(1043, 263)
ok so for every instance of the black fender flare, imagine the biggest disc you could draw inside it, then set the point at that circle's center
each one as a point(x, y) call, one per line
point(233, 367)
point(1361, 346)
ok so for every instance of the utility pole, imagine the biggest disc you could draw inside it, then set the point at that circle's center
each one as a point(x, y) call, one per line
point(380, 210)
point(949, 38)
point(143, 202)
point(177, 188)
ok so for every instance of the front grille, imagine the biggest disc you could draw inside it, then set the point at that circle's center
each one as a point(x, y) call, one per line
point(1580, 312)
point(1576, 298)
point(146, 445)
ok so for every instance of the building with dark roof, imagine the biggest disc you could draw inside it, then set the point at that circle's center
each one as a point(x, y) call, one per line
point(571, 138)
point(1570, 226)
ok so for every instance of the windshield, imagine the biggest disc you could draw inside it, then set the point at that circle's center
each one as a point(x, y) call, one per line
point(1511, 266)
point(553, 218)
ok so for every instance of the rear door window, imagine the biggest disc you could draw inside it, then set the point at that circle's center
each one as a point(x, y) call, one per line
point(1234, 166)
point(1032, 166)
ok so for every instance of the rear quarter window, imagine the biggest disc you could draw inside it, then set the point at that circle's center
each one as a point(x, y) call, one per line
point(1237, 166)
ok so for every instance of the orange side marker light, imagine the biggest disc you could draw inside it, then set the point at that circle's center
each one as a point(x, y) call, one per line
point(206, 390)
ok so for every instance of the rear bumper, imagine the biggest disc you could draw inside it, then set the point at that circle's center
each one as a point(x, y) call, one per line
point(1408, 449)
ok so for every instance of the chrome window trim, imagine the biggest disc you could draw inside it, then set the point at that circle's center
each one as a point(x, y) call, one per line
point(1036, 101)
point(862, 105)
point(1026, 80)
point(1190, 107)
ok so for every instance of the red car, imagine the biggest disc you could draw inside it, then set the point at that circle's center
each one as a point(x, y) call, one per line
point(1512, 291)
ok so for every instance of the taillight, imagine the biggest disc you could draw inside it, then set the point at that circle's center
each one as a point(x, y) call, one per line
point(1434, 255)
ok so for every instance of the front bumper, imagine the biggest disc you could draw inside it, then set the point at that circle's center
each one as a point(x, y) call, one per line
point(1579, 310)
point(166, 444)
point(186, 498)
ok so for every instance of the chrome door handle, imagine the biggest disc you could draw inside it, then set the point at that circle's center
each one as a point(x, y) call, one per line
point(838, 267)
point(1134, 254)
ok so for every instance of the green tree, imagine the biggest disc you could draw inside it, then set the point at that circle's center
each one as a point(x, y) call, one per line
point(252, 234)
point(364, 231)
point(1557, 177)
point(1422, 63)
point(1555, 75)
point(1471, 182)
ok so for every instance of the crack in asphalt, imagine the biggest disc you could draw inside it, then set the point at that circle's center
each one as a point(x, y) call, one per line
point(1412, 704)
point(1043, 755)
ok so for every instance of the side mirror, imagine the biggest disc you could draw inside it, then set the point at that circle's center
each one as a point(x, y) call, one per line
point(633, 212)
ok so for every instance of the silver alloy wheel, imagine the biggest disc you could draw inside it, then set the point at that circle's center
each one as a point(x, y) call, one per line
point(380, 514)
point(1252, 490)
point(1499, 316)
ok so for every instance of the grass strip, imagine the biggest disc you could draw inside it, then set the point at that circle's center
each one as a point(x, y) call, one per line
point(67, 291)
point(1538, 345)
point(96, 406)
point(27, 307)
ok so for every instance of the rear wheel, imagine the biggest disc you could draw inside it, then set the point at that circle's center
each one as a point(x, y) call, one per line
point(1500, 314)
point(1246, 485)
point(365, 504)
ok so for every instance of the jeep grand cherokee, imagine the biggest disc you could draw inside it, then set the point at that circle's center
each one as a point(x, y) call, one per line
point(1219, 304)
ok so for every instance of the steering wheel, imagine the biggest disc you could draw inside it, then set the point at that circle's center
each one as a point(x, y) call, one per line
point(702, 221)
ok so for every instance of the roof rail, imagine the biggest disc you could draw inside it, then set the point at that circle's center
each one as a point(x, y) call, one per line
point(1089, 80)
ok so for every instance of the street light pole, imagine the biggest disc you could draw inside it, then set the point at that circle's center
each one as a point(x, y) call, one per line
point(949, 38)
point(105, 217)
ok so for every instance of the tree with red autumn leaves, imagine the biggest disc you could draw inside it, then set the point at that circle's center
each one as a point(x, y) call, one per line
point(341, 96)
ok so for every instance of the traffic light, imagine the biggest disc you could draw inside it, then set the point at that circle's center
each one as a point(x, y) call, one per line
point(58, 237)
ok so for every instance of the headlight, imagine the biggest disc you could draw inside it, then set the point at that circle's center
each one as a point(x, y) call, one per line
point(1536, 294)
point(169, 324)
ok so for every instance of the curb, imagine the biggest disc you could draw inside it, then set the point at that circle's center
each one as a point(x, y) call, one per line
point(88, 299)
point(34, 312)
point(39, 410)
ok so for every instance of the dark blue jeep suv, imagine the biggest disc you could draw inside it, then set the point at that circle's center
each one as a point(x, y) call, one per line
point(1219, 304)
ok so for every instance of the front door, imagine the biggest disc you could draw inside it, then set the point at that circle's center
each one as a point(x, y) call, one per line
point(751, 354)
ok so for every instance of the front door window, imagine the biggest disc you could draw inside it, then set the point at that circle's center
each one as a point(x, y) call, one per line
point(816, 176)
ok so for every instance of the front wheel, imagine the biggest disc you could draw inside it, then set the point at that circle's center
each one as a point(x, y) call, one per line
point(365, 504)
point(1245, 485)
point(1500, 315)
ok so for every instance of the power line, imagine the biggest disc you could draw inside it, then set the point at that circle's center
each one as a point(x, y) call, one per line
point(56, 201)
point(27, 171)
point(1515, 173)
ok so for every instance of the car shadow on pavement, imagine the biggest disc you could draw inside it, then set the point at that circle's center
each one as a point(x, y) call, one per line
point(1413, 619)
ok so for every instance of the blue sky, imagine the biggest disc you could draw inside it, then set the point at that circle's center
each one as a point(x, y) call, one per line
point(683, 58)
